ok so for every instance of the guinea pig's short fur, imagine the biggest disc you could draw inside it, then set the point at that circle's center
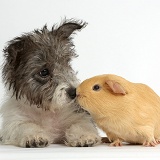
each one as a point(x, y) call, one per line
point(126, 111)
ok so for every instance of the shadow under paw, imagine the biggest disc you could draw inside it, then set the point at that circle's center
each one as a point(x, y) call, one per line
point(37, 143)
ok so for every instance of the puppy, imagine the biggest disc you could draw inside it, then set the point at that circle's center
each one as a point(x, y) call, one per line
point(126, 111)
point(40, 108)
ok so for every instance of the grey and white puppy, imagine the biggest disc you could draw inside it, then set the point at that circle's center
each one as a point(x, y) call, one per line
point(41, 107)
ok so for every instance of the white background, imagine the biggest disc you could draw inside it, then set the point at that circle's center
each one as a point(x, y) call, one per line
point(122, 37)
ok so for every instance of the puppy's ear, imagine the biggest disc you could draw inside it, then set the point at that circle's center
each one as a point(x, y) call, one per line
point(15, 47)
point(115, 87)
point(67, 28)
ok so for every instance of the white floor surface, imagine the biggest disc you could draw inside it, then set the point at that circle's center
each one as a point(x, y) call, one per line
point(61, 152)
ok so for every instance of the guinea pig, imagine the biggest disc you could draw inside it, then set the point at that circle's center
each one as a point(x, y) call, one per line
point(125, 111)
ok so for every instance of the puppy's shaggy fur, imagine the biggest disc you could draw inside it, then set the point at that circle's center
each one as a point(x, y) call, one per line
point(40, 108)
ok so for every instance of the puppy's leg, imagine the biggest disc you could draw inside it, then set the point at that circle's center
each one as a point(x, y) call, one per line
point(82, 134)
point(25, 135)
point(0, 136)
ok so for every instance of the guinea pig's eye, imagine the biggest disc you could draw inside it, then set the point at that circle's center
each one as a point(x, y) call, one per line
point(44, 73)
point(96, 87)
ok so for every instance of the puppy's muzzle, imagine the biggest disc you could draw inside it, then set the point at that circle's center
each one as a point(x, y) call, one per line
point(71, 92)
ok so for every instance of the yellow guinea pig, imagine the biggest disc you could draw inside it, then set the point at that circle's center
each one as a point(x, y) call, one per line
point(125, 111)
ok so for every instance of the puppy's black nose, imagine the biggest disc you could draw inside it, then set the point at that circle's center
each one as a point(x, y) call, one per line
point(71, 92)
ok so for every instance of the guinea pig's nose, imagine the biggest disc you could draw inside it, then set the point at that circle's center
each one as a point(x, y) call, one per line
point(77, 92)
point(71, 92)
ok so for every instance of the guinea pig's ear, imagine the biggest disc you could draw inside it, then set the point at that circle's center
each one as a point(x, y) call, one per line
point(116, 87)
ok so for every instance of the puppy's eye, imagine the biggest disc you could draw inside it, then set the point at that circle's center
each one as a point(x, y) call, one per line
point(96, 87)
point(44, 73)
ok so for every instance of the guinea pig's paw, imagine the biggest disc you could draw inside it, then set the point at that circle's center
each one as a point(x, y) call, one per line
point(151, 143)
point(37, 141)
point(158, 140)
point(83, 140)
point(116, 143)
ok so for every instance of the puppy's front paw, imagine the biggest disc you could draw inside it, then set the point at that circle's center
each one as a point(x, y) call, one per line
point(83, 140)
point(34, 142)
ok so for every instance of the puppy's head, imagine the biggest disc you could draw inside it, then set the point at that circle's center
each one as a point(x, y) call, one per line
point(37, 65)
